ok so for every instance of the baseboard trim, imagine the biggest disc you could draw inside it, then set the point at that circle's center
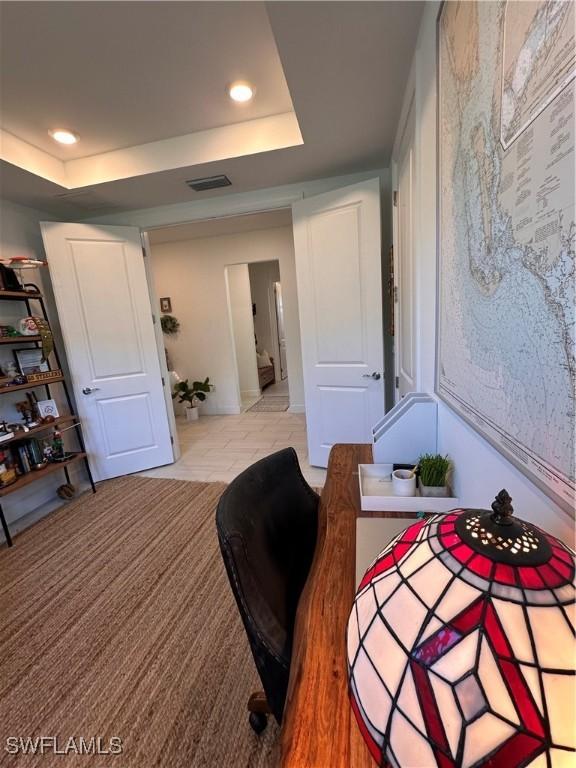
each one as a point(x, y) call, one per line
point(220, 410)
point(296, 409)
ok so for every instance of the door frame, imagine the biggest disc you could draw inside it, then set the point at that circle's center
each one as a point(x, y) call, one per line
point(408, 132)
point(154, 304)
point(228, 209)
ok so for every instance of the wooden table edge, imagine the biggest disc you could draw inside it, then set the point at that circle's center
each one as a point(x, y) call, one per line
point(318, 730)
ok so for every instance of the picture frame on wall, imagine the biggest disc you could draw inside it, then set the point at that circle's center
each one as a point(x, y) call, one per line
point(29, 360)
point(166, 304)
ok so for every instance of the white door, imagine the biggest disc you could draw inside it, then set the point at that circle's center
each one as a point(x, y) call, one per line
point(405, 305)
point(338, 270)
point(104, 310)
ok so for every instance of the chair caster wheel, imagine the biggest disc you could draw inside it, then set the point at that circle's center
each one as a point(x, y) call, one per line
point(258, 722)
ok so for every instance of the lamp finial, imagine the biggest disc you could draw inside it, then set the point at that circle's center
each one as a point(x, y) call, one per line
point(502, 507)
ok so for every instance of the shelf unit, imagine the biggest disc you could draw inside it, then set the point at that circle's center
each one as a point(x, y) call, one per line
point(18, 339)
point(33, 294)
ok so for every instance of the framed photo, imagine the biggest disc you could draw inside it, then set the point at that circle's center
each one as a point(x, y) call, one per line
point(29, 360)
point(166, 304)
point(47, 408)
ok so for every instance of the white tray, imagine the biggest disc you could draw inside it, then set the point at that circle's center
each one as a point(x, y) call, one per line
point(376, 493)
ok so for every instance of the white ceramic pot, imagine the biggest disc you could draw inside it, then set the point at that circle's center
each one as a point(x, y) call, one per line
point(434, 491)
point(402, 483)
point(191, 413)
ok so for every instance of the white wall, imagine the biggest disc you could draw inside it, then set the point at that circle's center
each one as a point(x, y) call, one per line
point(480, 470)
point(20, 235)
point(262, 279)
point(240, 307)
point(192, 274)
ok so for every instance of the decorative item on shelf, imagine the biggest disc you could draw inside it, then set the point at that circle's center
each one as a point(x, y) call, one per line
point(28, 410)
point(27, 326)
point(433, 472)
point(58, 453)
point(8, 331)
point(8, 474)
point(34, 378)
point(47, 410)
point(10, 370)
point(30, 360)
point(5, 432)
point(166, 304)
point(170, 325)
point(460, 647)
point(192, 396)
point(8, 278)
point(21, 262)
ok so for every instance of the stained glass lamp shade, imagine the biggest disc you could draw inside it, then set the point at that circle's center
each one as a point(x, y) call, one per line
point(461, 645)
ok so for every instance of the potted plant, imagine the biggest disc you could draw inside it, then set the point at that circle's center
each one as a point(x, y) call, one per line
point(433, 470)
point(191, 396)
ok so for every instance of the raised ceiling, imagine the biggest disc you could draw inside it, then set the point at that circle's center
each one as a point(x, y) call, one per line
point(123, 73)
point(143, 83)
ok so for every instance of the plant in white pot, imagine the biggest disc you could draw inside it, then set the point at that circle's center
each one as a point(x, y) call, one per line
point(433, 470)
point(191, 396)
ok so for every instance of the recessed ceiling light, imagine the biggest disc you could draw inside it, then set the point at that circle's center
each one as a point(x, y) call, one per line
point(63, 137)
point(241, 91)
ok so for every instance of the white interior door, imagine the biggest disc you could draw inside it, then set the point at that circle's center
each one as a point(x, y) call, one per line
point(103, 303)
point(338, 270)
point(405, 306)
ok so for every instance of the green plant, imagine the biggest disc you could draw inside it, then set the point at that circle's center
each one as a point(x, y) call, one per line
point(170, 324)
point(190, 394)
point(433, 469)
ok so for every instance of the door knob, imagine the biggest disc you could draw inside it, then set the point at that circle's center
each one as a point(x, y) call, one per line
point(89, 390)
point(374, 375)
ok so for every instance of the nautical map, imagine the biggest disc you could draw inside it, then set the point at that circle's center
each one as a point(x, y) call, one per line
point(506, 319)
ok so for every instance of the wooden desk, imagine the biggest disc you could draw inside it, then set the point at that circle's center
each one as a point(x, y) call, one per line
point(319, 729)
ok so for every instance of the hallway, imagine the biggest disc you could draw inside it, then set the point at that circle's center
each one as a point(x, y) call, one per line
point(218, 448)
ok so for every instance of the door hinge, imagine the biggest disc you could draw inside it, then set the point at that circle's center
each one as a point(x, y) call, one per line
point(397, 382)
point(171, 439)
point(163, 381)
point(395, 198)
point(395, 294)
point(154, 319)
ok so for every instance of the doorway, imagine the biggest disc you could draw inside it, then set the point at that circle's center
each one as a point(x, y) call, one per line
point(269, 335)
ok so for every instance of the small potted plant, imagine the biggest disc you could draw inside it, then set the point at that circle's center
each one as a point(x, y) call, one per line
point(191, 396)
point(433, 470)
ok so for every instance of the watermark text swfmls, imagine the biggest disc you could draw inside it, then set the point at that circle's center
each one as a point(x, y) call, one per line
point(56, 745)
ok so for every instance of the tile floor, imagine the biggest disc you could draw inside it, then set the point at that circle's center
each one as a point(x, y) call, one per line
point(217, 448)
point(278, 388)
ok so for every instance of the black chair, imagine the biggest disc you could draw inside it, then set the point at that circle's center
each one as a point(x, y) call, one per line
point(266, 521)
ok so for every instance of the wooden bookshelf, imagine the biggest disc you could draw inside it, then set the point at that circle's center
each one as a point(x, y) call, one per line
point(31, 384)
point(40, 428)
point(54, 377)
point(31, 477)
point(19, 339)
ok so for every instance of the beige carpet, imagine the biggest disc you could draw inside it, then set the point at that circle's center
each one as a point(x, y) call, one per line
point(117, 620)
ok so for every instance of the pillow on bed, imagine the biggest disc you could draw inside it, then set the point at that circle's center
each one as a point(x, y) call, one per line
point(263, 359)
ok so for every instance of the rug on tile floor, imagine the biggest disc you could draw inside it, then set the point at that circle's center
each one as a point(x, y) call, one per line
point(271, 404)
point(117, 619)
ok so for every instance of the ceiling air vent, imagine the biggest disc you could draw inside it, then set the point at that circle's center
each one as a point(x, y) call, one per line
point(210, 182)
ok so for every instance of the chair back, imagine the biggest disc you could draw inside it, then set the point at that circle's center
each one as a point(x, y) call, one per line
point(266, 522)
